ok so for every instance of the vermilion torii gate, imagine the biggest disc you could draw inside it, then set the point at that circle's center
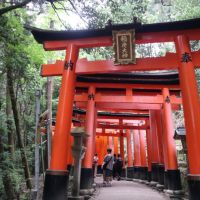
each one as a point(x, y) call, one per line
point(183, 60)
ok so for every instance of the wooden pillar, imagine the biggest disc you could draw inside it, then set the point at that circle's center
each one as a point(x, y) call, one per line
point(86, 171)
point(101, 151)
point(154, 148)
point(129, 148)
point(143, 158)
point(61, 139)
point(137, 158)
point(172, 174)
point(116, 145)
point(110, 143)
point(97, 146)
point(159, 128)
point(149, 149)
point(122, 145)
point(105, 145)
point(191, 108)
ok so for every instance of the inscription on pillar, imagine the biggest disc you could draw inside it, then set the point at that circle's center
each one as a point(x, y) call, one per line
point(69, 65)
point(124, 47)
point(186, 57)
point(91, 96)
point(167, 99)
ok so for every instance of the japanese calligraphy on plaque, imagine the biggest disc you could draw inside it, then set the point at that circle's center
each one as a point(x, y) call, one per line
point(124, 47)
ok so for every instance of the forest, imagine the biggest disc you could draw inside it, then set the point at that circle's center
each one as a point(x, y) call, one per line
point(21, 59)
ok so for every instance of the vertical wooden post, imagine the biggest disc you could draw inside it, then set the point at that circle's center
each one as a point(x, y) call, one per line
point(57, 177)
point(110, 143)
point(172, 174)
point(116, 145)
point(129, 148)
point(149, 149)
point(143, 159)
point(37, 138)
point(137, 158)
point(130, 168)
point(155, 149)
point(49, 117)
point(161, 168)
point(87, 178)
point(191, 108)
point(122, 145)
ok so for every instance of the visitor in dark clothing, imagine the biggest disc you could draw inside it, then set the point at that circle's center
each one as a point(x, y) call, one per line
point(107, 167)
point(114, 165)
point(119, 165)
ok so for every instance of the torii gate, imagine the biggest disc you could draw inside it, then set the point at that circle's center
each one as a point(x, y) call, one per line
point(184, 60)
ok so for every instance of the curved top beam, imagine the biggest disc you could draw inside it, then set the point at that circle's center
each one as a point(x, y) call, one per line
point(49, 35)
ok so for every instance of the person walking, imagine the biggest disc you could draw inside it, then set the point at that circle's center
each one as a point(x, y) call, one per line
point(119, 166)
point(114, 165)
point(95, 164)
point(107, 168)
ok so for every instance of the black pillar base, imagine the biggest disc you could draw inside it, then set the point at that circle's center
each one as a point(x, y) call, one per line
point(136, 174)
point(143, 173)
point(161, 171)
point(87, 178)
point(194, 187)
point(55, 185)
point(130, 172)
point(165, 180)
point(123, 174)
point(172, 180)
point(149, 176)
point(154, 172)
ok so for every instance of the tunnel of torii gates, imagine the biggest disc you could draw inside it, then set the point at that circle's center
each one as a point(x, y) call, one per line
point(137, 103)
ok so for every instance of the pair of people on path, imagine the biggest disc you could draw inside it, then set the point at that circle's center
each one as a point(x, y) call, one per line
point(108, 164)
point(117, 166)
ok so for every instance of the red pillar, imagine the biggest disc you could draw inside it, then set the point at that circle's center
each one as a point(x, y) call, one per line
point(122, 145)
point(105, 145)
point(149, 149)
point(159, 128)
point(129, 148)
point(87, 172)
point(57, 177)
point(137, 156)
point(155, 155)
point(136, 141)
point(116, 145)
point(64, 113)
point(97, 146)
point(191, 104)
point(172, 174)
point(110, 142)
point(169, 141)
point(101, 151)
point(143, 159)
point(191, 107)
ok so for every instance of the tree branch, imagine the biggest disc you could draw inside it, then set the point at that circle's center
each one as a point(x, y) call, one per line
point(17, 5)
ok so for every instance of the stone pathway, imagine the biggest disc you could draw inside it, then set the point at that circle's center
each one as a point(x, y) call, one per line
point(127, 190)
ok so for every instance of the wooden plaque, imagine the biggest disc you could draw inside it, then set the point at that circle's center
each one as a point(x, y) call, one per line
point(124, 47)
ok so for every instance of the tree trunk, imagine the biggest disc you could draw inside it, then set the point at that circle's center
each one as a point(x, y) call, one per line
point(17, 126)
point(7, 181)
point(9, 124)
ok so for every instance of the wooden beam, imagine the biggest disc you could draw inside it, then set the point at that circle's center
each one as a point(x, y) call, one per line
point(157, 99)
point(108, 126)
point(168, 62)
point(141, 38)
